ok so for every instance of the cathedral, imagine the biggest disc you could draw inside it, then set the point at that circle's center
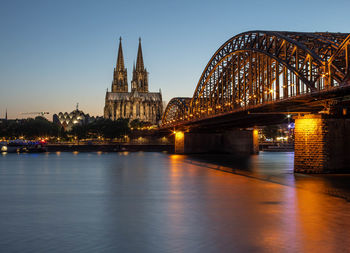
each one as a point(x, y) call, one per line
point(139, 103)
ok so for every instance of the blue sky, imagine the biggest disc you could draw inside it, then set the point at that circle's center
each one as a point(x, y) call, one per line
point(54, 54)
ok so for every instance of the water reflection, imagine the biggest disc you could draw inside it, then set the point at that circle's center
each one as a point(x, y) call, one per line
point(154, 202)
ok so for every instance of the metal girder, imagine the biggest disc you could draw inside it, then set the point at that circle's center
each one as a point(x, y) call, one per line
point(176, 110)
point(264, 67)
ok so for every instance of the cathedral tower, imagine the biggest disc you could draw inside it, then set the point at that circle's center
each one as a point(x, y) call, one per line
point(139, 104)
point(120, 81)
point(139, 76)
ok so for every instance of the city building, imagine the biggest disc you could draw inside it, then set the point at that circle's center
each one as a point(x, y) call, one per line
point(68, 120)
point(139, 103)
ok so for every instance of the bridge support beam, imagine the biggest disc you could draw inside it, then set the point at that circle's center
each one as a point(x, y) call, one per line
point(238, 142)
point(322, 144)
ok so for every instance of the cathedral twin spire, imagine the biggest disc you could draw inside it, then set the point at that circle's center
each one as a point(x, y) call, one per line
point(139, 62)
point(120, 59)
point(120, 79)
point(140, 76)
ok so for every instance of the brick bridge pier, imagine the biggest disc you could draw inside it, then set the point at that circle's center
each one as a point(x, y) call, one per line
point(322, 144)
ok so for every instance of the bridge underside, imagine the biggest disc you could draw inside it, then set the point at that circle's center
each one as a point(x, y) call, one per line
point(270, 113)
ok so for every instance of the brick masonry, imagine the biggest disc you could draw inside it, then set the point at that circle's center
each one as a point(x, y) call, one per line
point(322, 144)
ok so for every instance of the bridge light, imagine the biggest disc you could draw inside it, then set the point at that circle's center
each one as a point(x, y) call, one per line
point(271, 91)
point(179, 135)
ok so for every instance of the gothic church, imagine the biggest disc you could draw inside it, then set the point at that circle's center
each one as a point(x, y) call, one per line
point(137, 104)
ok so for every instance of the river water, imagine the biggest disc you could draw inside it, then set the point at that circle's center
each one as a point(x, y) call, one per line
point(158, 202)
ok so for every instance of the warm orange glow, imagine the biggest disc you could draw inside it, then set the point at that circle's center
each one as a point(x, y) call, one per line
point(176, 157)
point(324, 75)
point(179, 135)
point(179, 142)
point(310, 125)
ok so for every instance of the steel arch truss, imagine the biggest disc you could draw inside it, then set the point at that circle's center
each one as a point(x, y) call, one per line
point(260, 67)
point(176, 110)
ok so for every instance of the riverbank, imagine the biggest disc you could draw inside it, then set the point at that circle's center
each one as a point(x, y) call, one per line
point(109, 147)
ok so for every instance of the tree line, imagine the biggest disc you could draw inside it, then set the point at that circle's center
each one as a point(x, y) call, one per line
point(29, 128)
point(105, 128)
point(41, 127)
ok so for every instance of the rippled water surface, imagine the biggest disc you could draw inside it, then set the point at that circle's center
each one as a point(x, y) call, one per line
point(156, 202)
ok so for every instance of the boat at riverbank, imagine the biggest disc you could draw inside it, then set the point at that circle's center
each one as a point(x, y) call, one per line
point(22, 146)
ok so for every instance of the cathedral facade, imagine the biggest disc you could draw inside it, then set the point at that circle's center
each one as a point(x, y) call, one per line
point(139, 103)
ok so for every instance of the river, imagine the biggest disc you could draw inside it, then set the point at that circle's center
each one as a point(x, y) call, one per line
point(158, 202)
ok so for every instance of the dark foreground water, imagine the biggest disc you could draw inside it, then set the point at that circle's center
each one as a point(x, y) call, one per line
point(155, 202)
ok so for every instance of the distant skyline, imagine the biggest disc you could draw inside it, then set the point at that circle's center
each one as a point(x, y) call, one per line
point(54, 54)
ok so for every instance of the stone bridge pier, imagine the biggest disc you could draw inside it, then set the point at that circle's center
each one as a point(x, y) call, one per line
point(237, 141)
point(322, 144)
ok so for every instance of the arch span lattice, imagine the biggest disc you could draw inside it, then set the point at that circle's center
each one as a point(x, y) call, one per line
point(260, 67)
point(176, 110)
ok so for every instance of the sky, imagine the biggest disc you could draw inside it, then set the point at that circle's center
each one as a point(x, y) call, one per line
point(55, 54)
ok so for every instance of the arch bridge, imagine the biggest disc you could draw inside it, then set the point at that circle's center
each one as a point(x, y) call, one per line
point(266, 71)
point(257, 77)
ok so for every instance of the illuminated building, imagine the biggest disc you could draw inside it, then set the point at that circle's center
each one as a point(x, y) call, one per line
point(139, 103)
point(68, 120)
